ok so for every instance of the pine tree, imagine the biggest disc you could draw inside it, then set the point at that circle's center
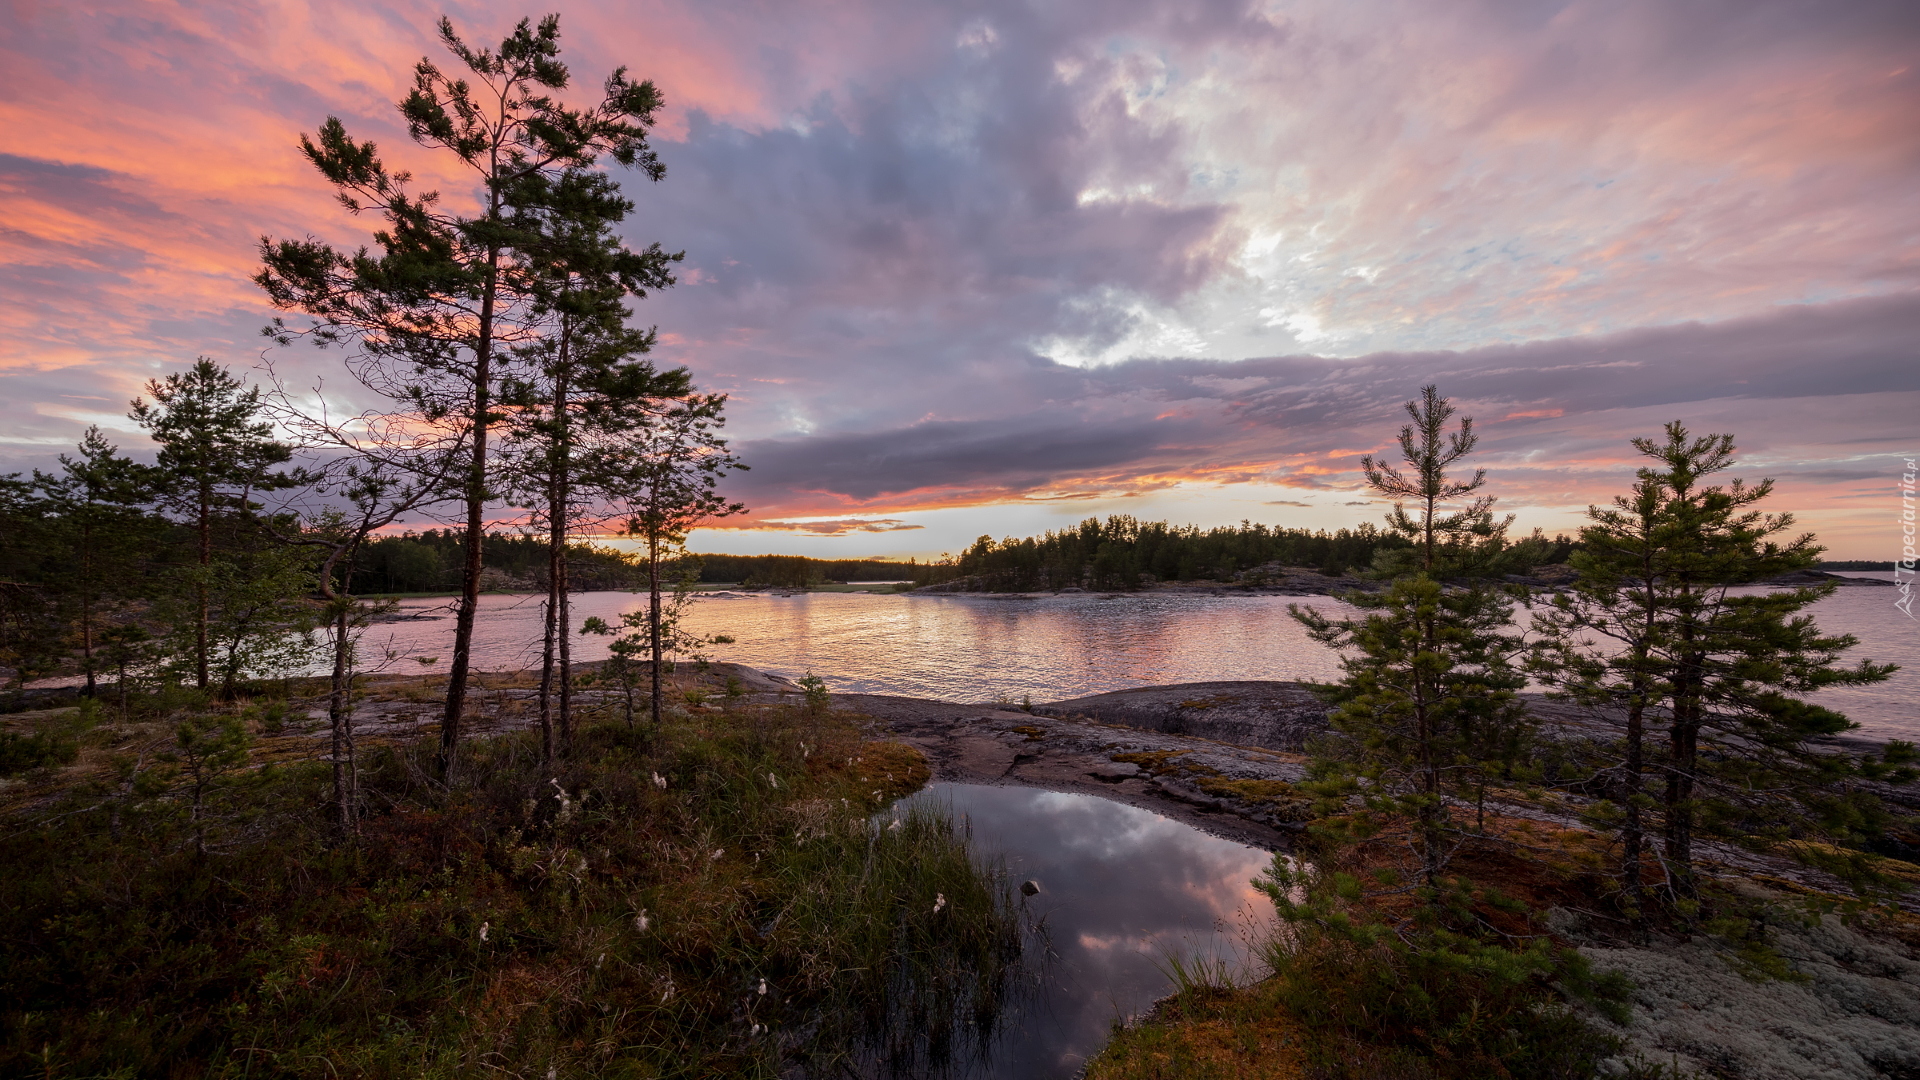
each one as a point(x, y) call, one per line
point(1428, 710)
point(431, 311)
point(1446, 543)
point(1598, 645)
point(583, 380)
point(1428, 706)
point(1678, 645)
point(216, 452)
point(31, 622)
point(669, 483)
point(96, 502)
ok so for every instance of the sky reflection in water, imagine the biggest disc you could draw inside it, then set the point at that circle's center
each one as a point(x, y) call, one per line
point(977, 649)
point(1121, 889)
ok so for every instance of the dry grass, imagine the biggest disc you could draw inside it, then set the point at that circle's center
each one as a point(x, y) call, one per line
point(1224, 1034)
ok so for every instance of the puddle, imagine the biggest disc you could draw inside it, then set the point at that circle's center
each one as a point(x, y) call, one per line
point(1120, 889)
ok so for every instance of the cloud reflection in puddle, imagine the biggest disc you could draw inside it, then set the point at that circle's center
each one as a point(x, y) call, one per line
point(1120, 889)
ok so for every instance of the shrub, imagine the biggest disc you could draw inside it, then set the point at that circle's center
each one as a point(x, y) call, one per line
point(1420, 999)
point(21, 753)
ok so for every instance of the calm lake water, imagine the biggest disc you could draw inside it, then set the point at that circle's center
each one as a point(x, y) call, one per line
point(984, 648)
point(1121, 890)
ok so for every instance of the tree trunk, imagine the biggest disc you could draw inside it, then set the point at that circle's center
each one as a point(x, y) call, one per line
point(566, 659)
point(476, 497)
point(1431, 839)
point(557, 514)
point(653, 620)
point(204, 608)
point(1683, 758)
point(1427, 531)
point(1632, 831)
point(92, 689)
point(1684, 744)
point(546, 664)
point(340, 718)
point(1432, 816)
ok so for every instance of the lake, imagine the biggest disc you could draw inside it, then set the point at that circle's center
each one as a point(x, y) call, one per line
point(988, 648)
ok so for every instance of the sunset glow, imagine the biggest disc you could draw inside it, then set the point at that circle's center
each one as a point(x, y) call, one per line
point(989, 268)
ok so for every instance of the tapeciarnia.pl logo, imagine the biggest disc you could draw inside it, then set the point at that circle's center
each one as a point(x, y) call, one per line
point(1903, 570)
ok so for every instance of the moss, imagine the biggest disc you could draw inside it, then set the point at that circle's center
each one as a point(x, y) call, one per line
point(1203, 1035)
point(1207, 703)
point(1166, 763)
point(1031, 731)
point(1277, 797)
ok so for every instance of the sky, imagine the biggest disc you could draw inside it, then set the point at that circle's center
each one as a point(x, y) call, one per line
point(992, 267)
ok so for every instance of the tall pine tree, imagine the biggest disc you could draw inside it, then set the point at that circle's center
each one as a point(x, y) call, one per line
point(583, 378)
point(431, 310)
point(1661, 628)
point(1428, 708)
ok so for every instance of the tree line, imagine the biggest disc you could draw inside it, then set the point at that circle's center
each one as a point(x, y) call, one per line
point(494, 334)
point(1123, 552)
point(797, 571)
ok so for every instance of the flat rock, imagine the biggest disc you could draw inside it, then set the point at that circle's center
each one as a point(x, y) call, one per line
point(1274, 715)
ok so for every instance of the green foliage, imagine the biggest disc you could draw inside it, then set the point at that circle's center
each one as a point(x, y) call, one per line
point(815, 689)
point(630, 655)
point(36, 750)
point(430, 561)
point(256, 622)
point(1427, 713)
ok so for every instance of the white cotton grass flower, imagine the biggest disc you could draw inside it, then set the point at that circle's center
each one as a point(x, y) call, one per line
point(774, 780)
point(939, 902)
point(717, 852)
point(641, 922)
point(763, 988)
point(659, 781)
point(484, 927)
point(895, 827)
point(755, 1033)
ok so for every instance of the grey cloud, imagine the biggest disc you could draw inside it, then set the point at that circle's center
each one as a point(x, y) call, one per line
point(1160, 418)
point(1011, 454)
point(840, 527)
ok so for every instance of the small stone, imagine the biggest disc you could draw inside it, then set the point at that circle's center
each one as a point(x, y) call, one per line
point(1029, 887)
point(1114, 771)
